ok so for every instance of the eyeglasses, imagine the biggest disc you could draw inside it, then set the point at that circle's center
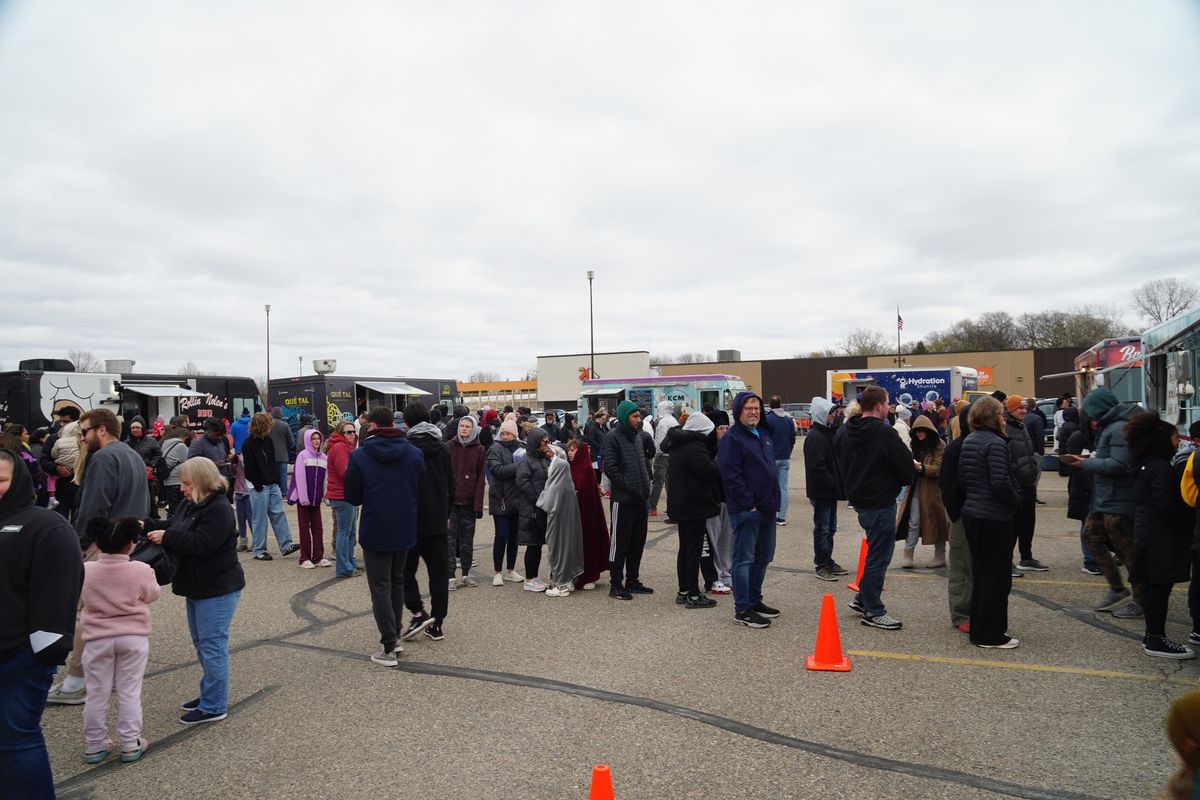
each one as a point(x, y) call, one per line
point(84, 431)
point(349, 433)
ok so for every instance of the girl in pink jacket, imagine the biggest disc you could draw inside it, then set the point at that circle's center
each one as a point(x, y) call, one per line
point(116, 636)
point(307, 490)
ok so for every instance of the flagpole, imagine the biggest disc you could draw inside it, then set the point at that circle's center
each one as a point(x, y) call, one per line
point(899, 362)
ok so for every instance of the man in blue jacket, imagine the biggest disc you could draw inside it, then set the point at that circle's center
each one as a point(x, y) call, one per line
point(746, 456)
point(382, 477)
point(782, 427)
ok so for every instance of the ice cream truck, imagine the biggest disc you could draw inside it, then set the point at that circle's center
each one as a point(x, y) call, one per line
point(690, 393)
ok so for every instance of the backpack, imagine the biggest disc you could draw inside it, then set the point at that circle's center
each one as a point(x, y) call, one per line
point(162, 469)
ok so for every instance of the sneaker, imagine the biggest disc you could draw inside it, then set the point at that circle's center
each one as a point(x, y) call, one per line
point(96, 756)
point(497, 579)
point(558, 591)
point(291, 548)
point(1086, 570)
point(1016, 573)
point(307, 565)
point(826, 574)
point(587, 587)
point(764, 610)
point(1115, 598)
point(837, 569)
point(536, 585)
point(57, 697)
point(415, 625)
point(399, 648)
point(699, 601)
point(1194, 638)
point(654, 512)
point(198, 717)
point(435, 632)
point(131, 754)
point(751, 620)
point(324, 562)
point(243, 547)
point(885, 621)
point(1162, 647)
point(1011, 644)
point(857, 606)
point(618, 593)
point(263, 556)
point(720, 588)
point(453, 585)
point(680, 598)
point(780, 522)
point(963, 627)
point(385, 658)
point(467, 582)
point(637, 587)
point(1032, 564)
point(512, 576)
point(1130, 611)
point(190, 705)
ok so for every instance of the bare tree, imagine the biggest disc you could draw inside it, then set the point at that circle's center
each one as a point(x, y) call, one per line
point(682, 358)
point(483, 376)
point(190, 368)
point(84, 361)
point(862, 342)
point(1163, 298)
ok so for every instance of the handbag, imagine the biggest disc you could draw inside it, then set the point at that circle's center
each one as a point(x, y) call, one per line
point(157, 557)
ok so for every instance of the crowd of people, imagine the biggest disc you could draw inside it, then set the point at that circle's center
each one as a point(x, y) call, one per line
point(406, 488)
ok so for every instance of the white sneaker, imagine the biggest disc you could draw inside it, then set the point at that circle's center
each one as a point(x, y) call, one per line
point(536, 585)
point(719, 587)
point(307, 565)
point(587, 587)
point(467, 582)
point(453, 584)
point(498, 580)
point(512, 576)
point(324, 562)
point(558, 591)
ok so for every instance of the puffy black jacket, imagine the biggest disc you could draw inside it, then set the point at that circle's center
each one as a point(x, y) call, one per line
point(822, 479)
point(203, 537)
point(435, 493)
point(693, 477)
point(985, 475)
point(502, 473)
point(1162, 524)
point(530, 479)
point(952, 491)
point(625, 465)
point(594, 434)
point(1025, 460)
point(1035, 426)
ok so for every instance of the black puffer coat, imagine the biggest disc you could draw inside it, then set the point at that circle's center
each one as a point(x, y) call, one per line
point(1162, 525)
point(1079, 483)
point(693, 477)
point(625, 465)
point(1025, 460)
point(531, 480)
point(985, 476)
point(503, 498)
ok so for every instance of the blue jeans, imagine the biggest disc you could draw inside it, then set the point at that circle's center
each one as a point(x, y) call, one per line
point(24, 762)
point(824, 527)
point(208, 622)
point(783, 466)
point(244, 512)
point(345, 517)
point(264, 504)
point(880, 527)
point(753, 550)
point(283, 481)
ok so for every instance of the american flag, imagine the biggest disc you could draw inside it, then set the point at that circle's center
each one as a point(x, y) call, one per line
point(899, 322)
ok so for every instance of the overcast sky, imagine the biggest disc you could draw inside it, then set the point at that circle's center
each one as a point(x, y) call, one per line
point(419, 188)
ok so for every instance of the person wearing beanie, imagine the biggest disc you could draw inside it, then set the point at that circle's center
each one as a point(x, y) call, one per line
point(504, 502)
point(751, 480)
point(625, 467)
point(1110, 517)
point(1026, 467)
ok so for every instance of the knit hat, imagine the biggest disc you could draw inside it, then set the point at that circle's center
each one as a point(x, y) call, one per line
point(509, 426)
point(1099, 402)
point(1013, 402)
point(626, 408)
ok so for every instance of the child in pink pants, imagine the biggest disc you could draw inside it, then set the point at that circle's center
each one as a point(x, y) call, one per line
point(116, 635)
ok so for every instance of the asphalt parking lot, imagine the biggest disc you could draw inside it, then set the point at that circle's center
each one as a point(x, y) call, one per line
point(526, 693)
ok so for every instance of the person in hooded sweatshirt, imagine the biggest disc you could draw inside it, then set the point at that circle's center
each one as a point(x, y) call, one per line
point(564, 530)
point(626, 469)
point(307, 491)
point(921, 516)
point(434, 498)
point(694, 499)
point(782, 426)
point(720, 531)
point(823, 486)
point(531, 475)
point(41, 576)
point(469, 461)
point(504, 502)
point(383, 476)
point(240, 430)
point(747, 462)
point(664, 422)
point(874, 464)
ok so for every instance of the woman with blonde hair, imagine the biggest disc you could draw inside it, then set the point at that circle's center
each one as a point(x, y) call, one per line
point(202, 538)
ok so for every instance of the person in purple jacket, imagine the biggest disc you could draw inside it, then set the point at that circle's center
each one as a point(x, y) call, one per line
point(307, 491)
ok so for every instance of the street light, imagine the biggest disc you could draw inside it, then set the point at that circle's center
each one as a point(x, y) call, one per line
point(268, 387)
point(591, 323)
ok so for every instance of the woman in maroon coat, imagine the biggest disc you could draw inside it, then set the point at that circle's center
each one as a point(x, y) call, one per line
point(591, 514)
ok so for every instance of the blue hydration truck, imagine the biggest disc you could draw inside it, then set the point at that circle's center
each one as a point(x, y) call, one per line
point(905, 385)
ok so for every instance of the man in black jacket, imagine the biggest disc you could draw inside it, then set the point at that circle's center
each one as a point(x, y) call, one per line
point(594, 432)
point(66, 490)
point(625, 466)
point(435, 494)
point(41, 575)
point(823, 486)
point(1026, 466)
point(874, 465)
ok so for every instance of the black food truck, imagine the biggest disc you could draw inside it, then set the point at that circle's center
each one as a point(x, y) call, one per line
point(330, 399)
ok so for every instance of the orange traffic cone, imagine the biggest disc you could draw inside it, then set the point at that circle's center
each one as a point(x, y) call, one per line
point(602, 785)
point(862, 564)
point(827, 655)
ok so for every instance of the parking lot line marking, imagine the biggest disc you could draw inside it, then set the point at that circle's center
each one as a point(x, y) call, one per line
point(1017, 582)
point(979, 662)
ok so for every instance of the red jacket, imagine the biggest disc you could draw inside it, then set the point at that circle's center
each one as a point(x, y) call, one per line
point(336, 460)
point(468, 463)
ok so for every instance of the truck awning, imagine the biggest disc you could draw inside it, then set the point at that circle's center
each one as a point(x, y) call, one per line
point(162, 390)
point(398, 388)
point(594, 392)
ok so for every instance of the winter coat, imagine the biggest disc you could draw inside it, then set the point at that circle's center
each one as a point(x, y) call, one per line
point(281, 437)
point(468, 462)
point(783, 432)
point(1035, 426)
point(337, 457)
point(203, 538)
point(384, 476)
point(595, 435)
point(1162, 525)
point(875, 464)
point(240, 431)
point(258, 459)
point(502, 460)
point(985, 476)
point(146, 447)
point(1069, 425)
point(1114, 486)
point(1080, 484)
point(308, 476)
point(625, 465)
point(1025, 461)
point(435, 494)
point(531, 480)
point(747, 461)
point(934, 527)
point(693, 477)
point(822, 480)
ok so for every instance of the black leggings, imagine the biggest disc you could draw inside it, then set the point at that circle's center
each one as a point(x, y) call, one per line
point(1154, 602)
point(687, 563)
point(505, 542)
point(533, 559)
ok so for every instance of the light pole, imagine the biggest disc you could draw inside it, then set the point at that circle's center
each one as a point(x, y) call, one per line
point(268, 386)
point(591, 324)
point(301, 360)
